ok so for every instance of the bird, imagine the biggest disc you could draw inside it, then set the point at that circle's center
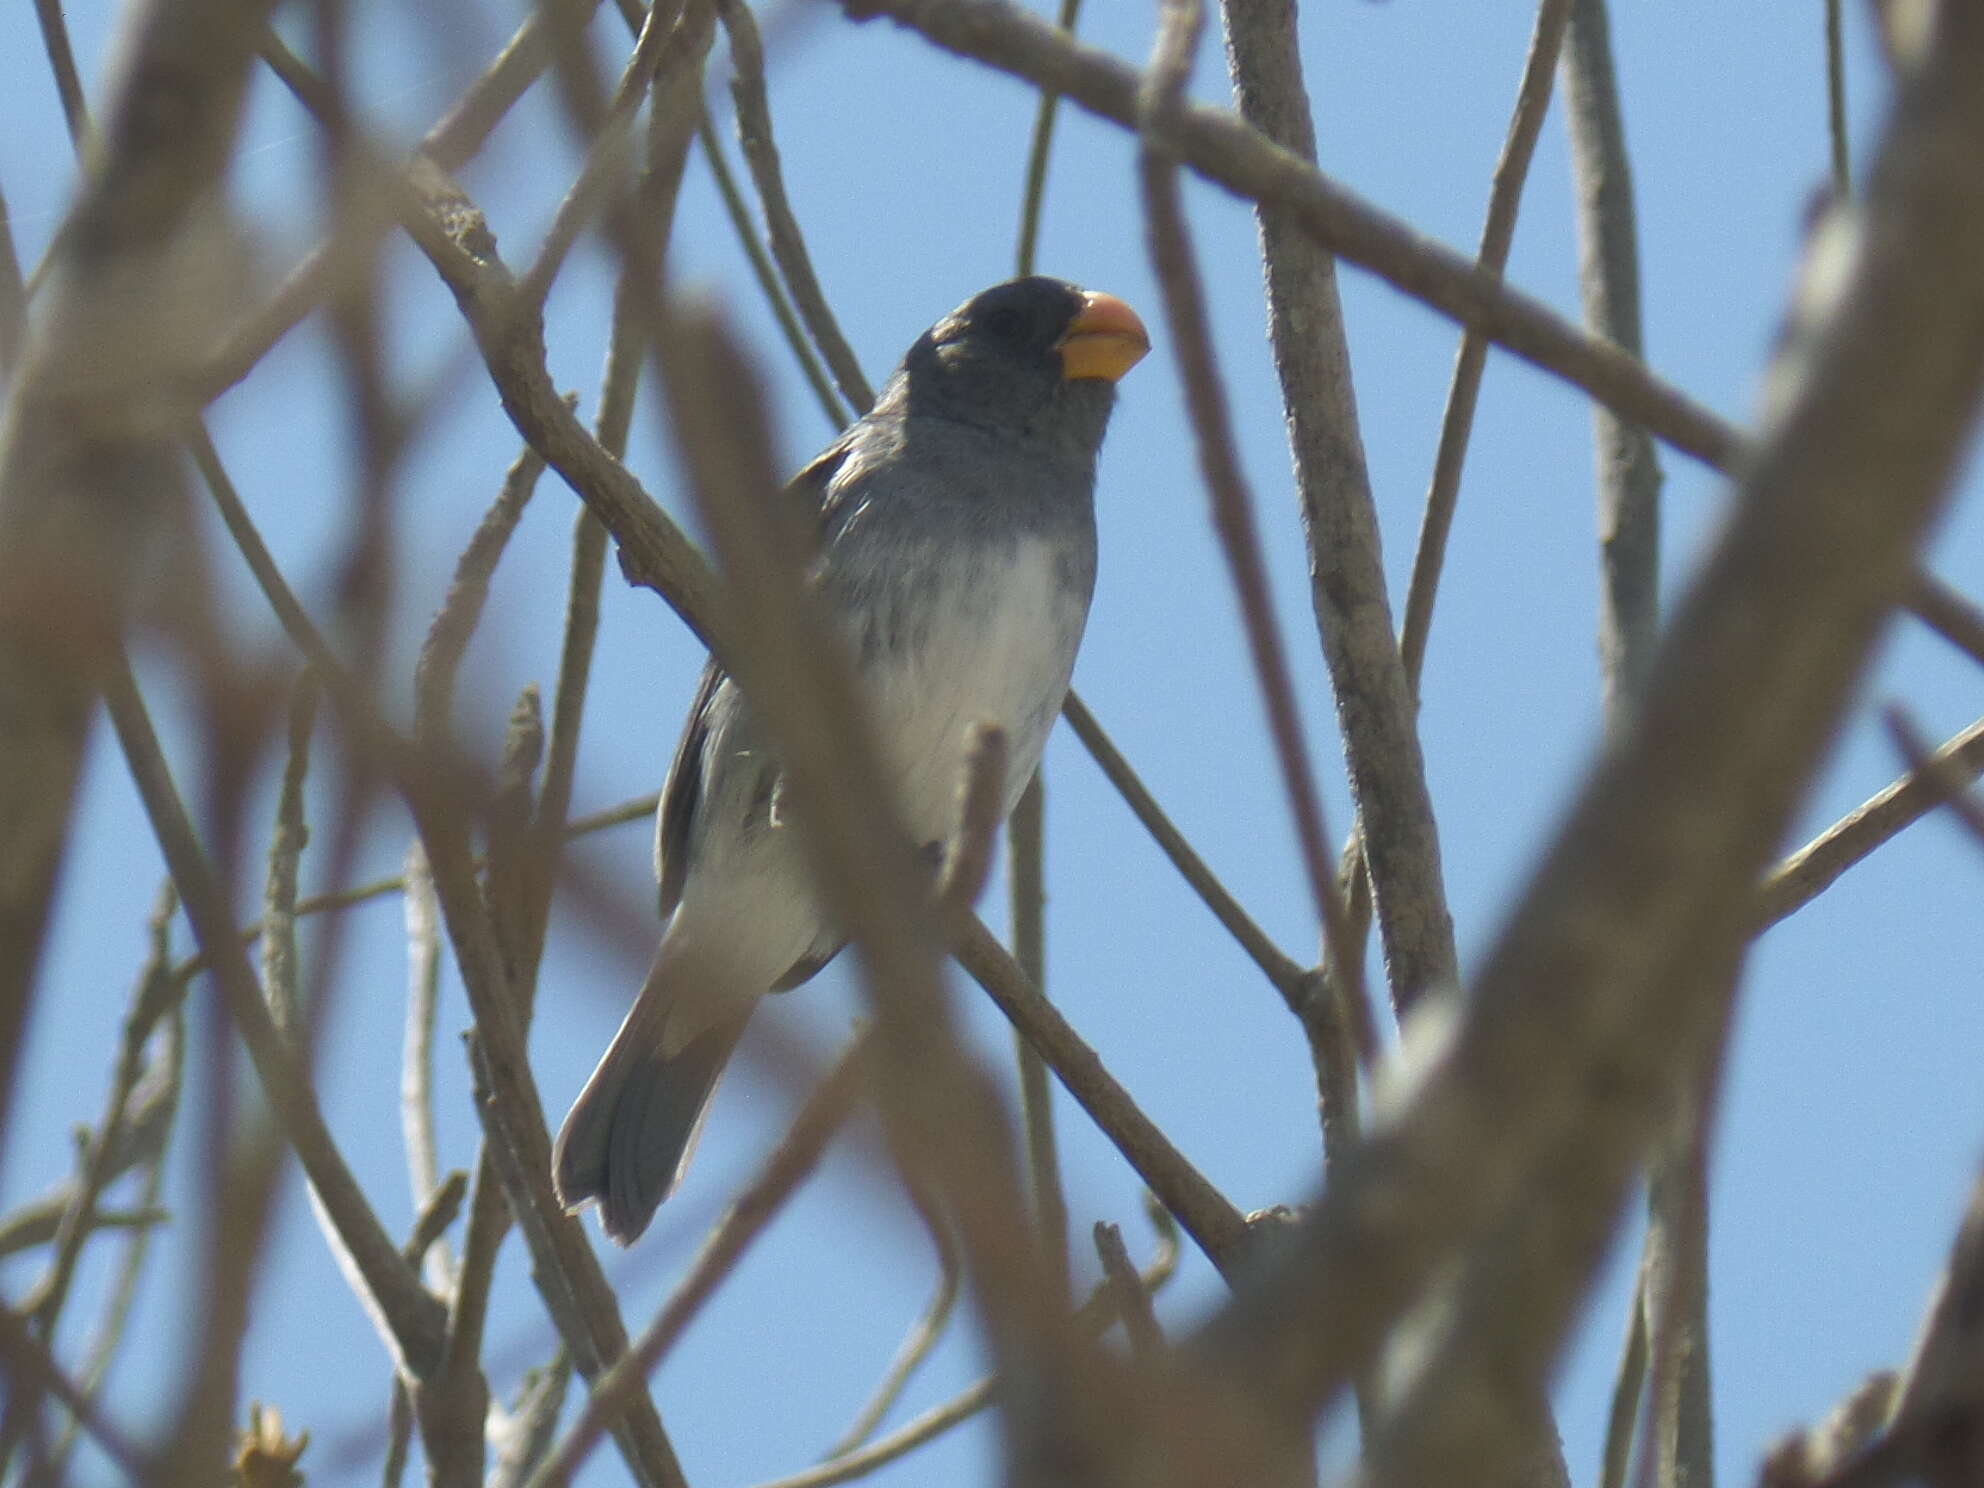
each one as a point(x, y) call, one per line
point(957, 554)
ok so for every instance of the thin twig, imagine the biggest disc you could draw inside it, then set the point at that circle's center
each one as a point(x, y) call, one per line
point(1033, 194)
point(1678, 1448)
point(566, 1271)
point(62, 64)
point(37, 1222)
point(1281, 971)
point(922, 1337)
point(511, 878)
point(423, 985)
point(1842, 166)
point(37, 1374)
point(1810, 871)
point(1628, 476)
point(605, 165)
point(1026, 920)
point(1464, 388)
point(1026, 828)
point(409, 1319)
point(1951, 615)
point(1613, 974)
point(109, 1152)
point(439, 1210)
point(1092, 1318)
point(1347, 587)
point(399, 1435)
point(13, 295)
point(1225, 150)
point(1232, 504)
point(1214, 1224)
point(754, 133)
point(533, 1422)
point(638, 808)
point(286, 844)
point(453, 626)
point(138, 263)
point(1674, 1282)
point(450, 144)
point(967, 864)
point(484, 104)
point(1132, 1300)
point(1622, 1418)
point(753, 1209)
point(442, 1208)
point(1943, 1372)
point(766, 273)
point(118, 1308)
point(1951, 785)
point(981, 794)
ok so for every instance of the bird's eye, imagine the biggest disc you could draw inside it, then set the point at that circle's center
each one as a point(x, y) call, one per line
point(1005, 323)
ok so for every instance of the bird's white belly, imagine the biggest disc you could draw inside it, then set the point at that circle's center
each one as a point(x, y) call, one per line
point(1001, 653)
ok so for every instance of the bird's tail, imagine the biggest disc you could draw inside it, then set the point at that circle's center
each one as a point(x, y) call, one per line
point(629, 1135)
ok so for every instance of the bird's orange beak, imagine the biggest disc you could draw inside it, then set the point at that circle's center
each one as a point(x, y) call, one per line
point(1106, 340)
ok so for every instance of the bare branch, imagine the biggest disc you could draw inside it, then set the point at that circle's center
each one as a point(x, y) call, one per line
point(454, 625)
point(1094, 1316)
point(423, 977)
point(128, 1113)
point(1375, 705)
point(1622, 1417)
point(1944, 1379)
point(1215, 1226)
point(118, 1306)
point(1810, 871)
point(30, 1364)
point(1026, 928)
point(1282, 972)
point(1950, 615)
point(1674, 1279)
point(62, 64)
point(408, 1318)
point(1132, 1300)
point(1232, 503)
point(754, 133)
point(1464, 390)
point(1225, 150)
point(533, 1423)
point(669, 29)
point(138, 270)
point(1951, 785)
point(450, 144)
point(766, 274)
point(13, 295)
point(1033, 194)
point(1617, 958)
point(1608, 277)
point(1842, 168)
point(922, 1338)
point(754, 1208)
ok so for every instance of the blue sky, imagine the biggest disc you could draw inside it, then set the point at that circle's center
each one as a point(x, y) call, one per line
point(1850, 1126)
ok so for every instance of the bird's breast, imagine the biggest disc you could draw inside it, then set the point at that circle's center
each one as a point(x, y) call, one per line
point(965, 634)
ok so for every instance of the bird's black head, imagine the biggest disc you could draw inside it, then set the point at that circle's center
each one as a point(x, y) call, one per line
point(1030, 357)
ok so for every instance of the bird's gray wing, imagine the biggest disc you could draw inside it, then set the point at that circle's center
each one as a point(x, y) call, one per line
point(817, 494)
point(683, 789)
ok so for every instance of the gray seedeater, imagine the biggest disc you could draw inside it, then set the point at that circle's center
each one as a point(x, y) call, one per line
point(957, 549)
